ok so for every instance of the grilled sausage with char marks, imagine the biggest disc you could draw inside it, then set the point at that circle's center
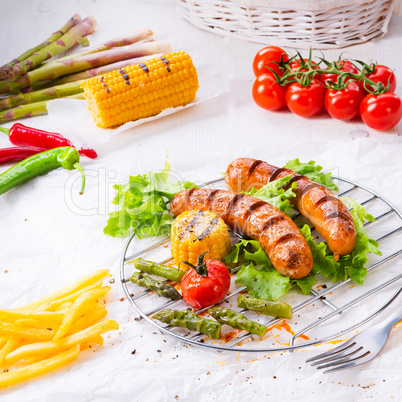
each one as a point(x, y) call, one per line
point(325, 211)
point(278, 235)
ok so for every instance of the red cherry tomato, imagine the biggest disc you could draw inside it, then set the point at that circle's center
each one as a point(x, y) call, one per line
point(202, 291)
point(265, 57)
point(381, 112)
point(306, 101)
point(346, 66)
point(267, 93)
point(345, 103)
point(383, 74)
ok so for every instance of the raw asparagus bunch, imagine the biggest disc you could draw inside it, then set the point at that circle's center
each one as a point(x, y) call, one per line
point(160, 288)
point(67, 41)
point(73, 21)
point(227, 316)
point(188, 319)
point(28, 82)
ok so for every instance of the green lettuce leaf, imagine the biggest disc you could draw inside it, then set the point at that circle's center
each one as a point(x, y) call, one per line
point(143, 204)
point(313, 172)
point(353, 264)
point(275, 194)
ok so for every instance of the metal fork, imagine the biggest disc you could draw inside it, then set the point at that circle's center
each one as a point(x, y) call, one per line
point(361, 348)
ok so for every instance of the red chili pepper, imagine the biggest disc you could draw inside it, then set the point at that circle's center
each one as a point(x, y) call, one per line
point(32, 137)
point(17, 153)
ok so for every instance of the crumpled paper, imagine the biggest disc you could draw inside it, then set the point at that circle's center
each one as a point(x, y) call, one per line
point(48, 243)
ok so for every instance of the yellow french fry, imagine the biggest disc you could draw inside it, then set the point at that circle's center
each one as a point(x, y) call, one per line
point(96, 339)
point(49, 316)
point(35, 369)
point(88, 320)
point(3, 340)
point(74, 287)
point(41, 307)
point(31, 334)
point(71, 297)
point(65, 306)
point(77, 308)
point(32, 323)
point(10, 345)
point(46, 348)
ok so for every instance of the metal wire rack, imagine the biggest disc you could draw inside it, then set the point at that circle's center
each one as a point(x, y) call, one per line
point(326, 308)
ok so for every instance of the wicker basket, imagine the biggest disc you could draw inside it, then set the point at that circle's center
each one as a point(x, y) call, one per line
point(318, 24)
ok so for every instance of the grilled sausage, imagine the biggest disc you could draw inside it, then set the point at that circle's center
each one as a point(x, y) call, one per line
point(326, 212)
point(278, 235)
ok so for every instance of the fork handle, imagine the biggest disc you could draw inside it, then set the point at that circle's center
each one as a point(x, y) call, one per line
point(394, 318)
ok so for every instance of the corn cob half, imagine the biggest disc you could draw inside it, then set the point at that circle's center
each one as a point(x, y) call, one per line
point(141, 90)
point(195, 232)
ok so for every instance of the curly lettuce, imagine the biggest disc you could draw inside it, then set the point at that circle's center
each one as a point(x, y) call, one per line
point(143, 204)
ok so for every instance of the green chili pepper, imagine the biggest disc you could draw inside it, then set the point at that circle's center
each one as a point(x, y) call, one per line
point(159, 287)
point(227, 316)
point(36, 165)
point(275, 309)
point(188, 319)
point(153, 268)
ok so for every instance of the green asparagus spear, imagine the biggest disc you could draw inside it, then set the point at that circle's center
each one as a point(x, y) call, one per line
point(227, 316)
point(74, 20)
point(153, 268)
point(53, 70)
point(188, 319)
point(58, 91)
point(33, 109)
point(275, 309)
point(159, 287)
point(68, 40)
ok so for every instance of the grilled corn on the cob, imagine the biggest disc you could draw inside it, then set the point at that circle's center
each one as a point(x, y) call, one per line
point(141, 90)
point(194, 233)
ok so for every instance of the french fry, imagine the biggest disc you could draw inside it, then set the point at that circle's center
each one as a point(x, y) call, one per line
point(32, 323)
point(96, 339)
point(65, 306)
point(48, 316)
point(35, 369)
point(41, 307)
point(88, 320)
point(20, 331)
point(77, 308)
point(72, 296)
point(3, 340)
point(77, 285)
point(10, 345)
point(44, 348)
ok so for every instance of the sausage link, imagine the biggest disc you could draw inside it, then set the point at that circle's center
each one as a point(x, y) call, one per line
point(278, 235)
point(325, 211)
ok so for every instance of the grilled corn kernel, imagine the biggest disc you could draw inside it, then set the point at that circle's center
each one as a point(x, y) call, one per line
point(194, 233)
point(141, 90)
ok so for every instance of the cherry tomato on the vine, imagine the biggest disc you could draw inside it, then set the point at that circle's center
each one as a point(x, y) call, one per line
point(381, 112)
point(344, 104)
point(295, 65)
point(306, 101)
point(347, 66)
point(267, 93)
point(265, 57)
point(383, 74)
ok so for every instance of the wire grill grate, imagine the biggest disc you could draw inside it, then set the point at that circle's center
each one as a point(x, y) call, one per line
point(146, 303)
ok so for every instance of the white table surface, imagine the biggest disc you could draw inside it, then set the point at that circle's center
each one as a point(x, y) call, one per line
point(48, 239)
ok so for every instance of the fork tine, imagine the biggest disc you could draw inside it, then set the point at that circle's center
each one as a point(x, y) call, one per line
point(355, 362)
point(344, 360)
point(339, 348)
point(346, 353)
